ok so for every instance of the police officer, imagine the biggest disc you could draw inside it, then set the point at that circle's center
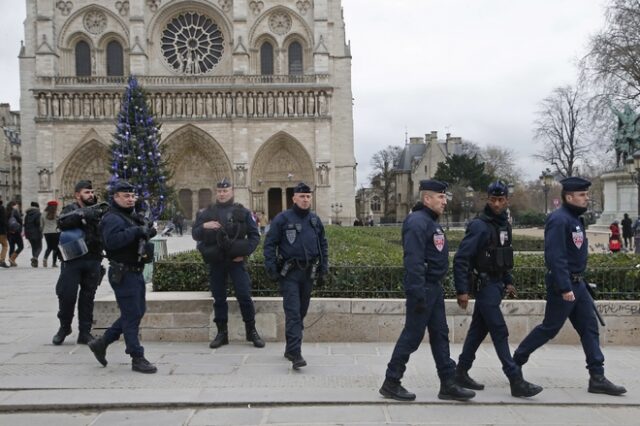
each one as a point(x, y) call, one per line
point(126, 234)
point(566, 253)
point(482, 265)
point(296, 255)
point(226, 235)
point(426, 261)
point(81, 251)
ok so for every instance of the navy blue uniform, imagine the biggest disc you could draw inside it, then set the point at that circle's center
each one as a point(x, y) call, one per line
point(565, 253)
point(426, 261)
point(487, 317)
point(121, 232)
point(242, 238)
point(296, 237)
point(83, 272)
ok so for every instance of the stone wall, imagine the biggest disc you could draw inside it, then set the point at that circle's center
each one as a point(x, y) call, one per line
point(187, 316)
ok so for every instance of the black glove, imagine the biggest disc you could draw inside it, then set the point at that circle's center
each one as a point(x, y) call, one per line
point(320, 281)
point(152, 233)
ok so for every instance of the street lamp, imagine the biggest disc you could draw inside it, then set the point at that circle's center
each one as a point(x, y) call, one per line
point(336, 208)
point(546, 178)
point(633, 167)
point(468, 201)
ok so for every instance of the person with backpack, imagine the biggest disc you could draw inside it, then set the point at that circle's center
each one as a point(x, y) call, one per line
point(14, 228)
point(482, 267)
point(33, 225)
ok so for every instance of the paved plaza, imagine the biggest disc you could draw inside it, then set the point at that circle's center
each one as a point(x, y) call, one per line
point(241, 385)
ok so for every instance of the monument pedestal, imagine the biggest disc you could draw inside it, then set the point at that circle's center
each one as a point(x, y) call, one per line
point(620, 197)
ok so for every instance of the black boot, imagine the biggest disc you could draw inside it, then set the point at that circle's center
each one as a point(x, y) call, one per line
point(141, 365)
point(222, 338)
point(297, 361)
point(252, 334)
point(463, 380)
point(99, 348)
point(59, 337)
point(84, 337)
point(450, 390)
point(600, 384)
point(521, 388)
point(394, 390)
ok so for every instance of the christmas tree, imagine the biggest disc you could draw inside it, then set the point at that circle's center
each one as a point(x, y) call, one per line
point(136, 155)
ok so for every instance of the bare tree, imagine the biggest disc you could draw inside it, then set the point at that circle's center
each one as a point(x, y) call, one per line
point(500, 162)
point(612, 61)
point(383, 163)
point(561, 126)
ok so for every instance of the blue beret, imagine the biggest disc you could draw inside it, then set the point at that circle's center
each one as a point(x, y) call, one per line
point(83, 184)
point(433, 185)
point(224, 183)
point(302, 188)
point(573, 184)
point(122, 186)
point(498, 189)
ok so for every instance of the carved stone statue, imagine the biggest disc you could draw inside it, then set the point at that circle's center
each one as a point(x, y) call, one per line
point(627, 139)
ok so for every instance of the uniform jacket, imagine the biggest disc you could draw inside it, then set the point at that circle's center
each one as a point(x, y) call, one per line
point(565, 247)
point(121, 236)
point(425, 251)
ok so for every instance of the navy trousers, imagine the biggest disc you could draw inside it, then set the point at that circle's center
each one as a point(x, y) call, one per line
point(295, 289)
point(488, 319)
point(583, 318)
point(130, 295)
point(433, 319)
point(218, 275)
point(83, 274)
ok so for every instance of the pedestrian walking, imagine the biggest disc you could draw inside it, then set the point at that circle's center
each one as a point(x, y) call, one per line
point(14, 229)
point(4, 242)
point(51, 234)
point(33, 226)
point(627, 231)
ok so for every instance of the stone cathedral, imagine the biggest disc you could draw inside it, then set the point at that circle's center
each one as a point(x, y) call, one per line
point(255, 90)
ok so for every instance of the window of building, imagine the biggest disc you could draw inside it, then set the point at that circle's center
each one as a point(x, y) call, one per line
point(295, 58)
point(266, 59)
point(83, 58)
point(115, 62)
point(375, 204)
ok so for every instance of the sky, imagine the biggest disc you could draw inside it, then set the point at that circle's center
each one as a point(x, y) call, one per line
point(477, 69)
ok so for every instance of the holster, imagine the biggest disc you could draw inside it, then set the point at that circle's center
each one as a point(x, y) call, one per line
point(117, 271)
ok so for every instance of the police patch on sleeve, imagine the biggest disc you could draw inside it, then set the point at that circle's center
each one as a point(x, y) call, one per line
point(578, 237)
point(438, 239)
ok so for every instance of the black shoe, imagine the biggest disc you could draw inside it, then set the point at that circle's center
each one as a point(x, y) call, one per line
point(34, 262)
point(521, 388)
point(84, 337)
point(141, 365)
point(463, 380)
point(3, 264)
point(394, 390)
point(600, 384)
point(99, 349)
point(451, 391)
point(222, 338)
point(297, 362)
point(60, 335)
point(253, 336)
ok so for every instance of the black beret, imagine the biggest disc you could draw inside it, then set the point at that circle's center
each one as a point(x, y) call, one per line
point(83, 184)
point(573, 184)
point(498, 189)
point(224, 183)
point(302, 188)
point(433, 185)
point(122, 186)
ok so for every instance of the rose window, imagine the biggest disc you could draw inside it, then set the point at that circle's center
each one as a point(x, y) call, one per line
point(192, 43)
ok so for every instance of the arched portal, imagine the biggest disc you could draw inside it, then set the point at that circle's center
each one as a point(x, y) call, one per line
point(90, 161)
point(197, 162)
point(279, 165)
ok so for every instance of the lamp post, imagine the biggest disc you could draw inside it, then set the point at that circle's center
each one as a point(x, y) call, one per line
point(546, 178)
point(633, 167)
point(336, 208)
point(468, 202)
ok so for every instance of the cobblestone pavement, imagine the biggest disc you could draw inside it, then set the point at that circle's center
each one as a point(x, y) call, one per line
point(241, 385)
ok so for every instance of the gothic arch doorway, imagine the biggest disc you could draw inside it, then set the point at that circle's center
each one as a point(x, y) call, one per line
point(197, 162)
point(90, 161)
point(280, 163)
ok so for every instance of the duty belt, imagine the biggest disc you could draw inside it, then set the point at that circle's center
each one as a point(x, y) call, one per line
point(125, 267)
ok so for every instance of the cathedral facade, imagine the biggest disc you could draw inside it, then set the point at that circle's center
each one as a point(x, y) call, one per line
point(256, 91)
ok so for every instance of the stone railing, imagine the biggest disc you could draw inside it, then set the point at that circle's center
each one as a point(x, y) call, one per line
point(196, 103)
point(187, 316)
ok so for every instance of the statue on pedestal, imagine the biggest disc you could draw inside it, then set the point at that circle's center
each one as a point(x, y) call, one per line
point(627, 139)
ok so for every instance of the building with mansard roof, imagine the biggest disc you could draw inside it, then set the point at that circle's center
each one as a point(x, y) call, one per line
point(255, 90)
